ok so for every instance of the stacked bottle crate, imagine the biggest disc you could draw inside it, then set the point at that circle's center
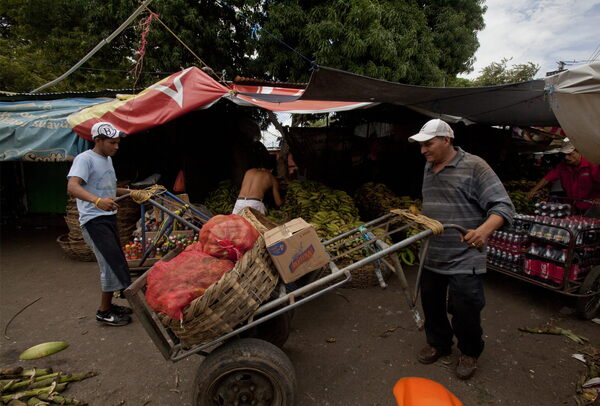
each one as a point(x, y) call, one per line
point(538, 246)
point(506, 249)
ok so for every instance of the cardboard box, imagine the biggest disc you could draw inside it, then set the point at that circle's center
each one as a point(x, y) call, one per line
point(295, 249)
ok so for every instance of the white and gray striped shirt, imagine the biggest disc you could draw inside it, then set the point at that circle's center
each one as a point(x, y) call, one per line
point(465, 192)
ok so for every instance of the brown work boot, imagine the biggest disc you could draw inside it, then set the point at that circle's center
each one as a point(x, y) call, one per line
point(429, 354)
point(466, 366)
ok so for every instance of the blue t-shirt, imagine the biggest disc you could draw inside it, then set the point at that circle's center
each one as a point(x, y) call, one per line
point(98, 177)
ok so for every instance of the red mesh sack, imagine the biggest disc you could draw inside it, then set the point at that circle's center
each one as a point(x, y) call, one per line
point(174, 284)
point(227, 236)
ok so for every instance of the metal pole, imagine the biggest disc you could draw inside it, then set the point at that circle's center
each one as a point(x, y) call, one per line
point(96, 48)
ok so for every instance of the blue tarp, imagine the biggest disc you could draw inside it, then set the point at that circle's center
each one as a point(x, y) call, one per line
point(37, 130)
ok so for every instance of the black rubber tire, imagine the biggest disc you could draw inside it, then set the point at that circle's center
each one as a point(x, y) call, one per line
point(587, 307)
point(275, 331)
point(244, 371)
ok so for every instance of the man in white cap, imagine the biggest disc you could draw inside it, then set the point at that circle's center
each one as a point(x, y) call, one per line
point(579, 178)
point(458, 188)
point(93, 182)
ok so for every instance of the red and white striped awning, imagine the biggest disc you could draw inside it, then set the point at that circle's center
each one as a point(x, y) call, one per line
point(192, 89)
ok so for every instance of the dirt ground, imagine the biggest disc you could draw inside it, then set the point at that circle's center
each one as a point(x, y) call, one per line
point(375, 339)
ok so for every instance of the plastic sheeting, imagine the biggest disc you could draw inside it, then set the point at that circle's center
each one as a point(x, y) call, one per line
point(575, 100)
point(38, 130)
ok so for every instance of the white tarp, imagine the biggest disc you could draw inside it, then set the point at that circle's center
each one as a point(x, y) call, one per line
point(575, 100)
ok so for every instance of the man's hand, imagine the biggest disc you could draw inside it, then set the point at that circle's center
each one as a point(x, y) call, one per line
point(475, 238)
point(107, 204)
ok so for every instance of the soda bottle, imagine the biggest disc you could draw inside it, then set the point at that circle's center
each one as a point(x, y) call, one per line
point(502, 262)
point(559, 268)
point(491, 257)
point(532, 262)
point(493, 239)
point(518, 263)
point(547, 267)
point(578, 232)
point(548, 231)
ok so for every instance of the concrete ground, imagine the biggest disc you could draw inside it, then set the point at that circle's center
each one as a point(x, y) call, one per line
point(348, 347)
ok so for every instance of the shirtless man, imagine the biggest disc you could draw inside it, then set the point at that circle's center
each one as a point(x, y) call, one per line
point(256, 182)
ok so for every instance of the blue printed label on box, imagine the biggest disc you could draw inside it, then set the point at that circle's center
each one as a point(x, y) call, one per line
point(277, 249)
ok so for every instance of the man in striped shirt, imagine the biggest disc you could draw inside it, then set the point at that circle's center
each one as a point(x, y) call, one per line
point(458, 188)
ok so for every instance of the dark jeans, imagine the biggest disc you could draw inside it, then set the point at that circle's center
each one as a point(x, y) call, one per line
point(465, 300)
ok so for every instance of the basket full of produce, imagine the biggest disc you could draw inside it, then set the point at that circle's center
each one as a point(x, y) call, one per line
point(215, 284)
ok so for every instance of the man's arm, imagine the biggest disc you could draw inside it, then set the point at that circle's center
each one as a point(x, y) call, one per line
point(478, 236)
point(494, 200)
point(122, 191)
point(275, 189)
point(74, 188)
point(541, 184)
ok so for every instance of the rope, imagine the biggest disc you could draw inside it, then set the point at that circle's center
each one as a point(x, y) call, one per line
point(425, 221)
point(144, 27)
point(140, 196)
point(222, 79)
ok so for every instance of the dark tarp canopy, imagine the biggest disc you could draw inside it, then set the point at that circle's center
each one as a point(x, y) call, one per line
point(518, 104)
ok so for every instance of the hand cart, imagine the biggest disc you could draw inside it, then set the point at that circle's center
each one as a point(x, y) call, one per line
point(172, 210)
point(573, 270)
point(243, 367)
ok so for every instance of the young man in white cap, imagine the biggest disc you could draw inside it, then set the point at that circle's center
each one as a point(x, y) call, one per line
point(579, 178)
point(458, 188)
point(93, 182)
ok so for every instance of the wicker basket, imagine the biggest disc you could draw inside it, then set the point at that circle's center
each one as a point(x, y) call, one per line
point(363, 277)
point(261, 222)
point(76, 249)
point(228, 302)
point(127, 217)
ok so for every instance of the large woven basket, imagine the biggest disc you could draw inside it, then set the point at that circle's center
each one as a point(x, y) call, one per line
point(261, 222)
point(365, 277)
point(228, 302)
point(74, 245)
point(76, 249)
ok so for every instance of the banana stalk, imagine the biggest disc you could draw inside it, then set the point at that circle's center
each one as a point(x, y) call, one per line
point(11, 371)
point(33, 401)
point(16, 402)
point(47, 380)
point(37, 372)
point(61, 400)
point(34, 392)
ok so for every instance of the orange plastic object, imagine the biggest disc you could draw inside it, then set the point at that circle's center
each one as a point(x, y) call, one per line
point(423, 392)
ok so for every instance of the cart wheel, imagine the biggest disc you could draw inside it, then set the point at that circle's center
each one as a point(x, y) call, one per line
point(276, 330)
point(245, 372)
point(588, 306)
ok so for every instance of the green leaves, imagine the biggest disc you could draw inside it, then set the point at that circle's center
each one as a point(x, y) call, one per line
point(498, 73)
point(410, 41)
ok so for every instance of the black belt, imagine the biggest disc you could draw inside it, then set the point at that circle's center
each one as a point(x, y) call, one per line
point(249, 198)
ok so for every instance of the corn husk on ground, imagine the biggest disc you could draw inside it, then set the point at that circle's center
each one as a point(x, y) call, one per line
point(37, 386)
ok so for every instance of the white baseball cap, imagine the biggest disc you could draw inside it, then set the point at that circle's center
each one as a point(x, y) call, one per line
point(567, 148)
point(107, 130)
point(431, 129)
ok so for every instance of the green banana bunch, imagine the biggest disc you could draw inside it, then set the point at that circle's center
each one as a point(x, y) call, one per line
point(376, 199)
point(222, 199)
point(517, 191)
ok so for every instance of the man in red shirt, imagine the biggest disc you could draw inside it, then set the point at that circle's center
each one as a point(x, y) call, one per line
point(580, 179)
